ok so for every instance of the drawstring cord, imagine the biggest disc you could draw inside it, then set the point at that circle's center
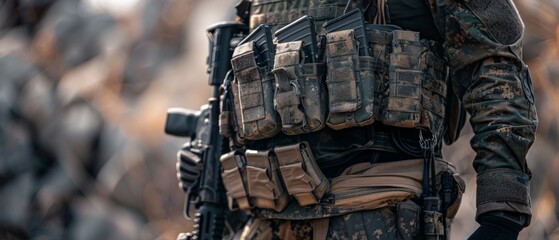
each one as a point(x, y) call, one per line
point(382, 16)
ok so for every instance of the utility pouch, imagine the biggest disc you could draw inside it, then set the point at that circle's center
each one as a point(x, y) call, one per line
point(255, 91)
point(405, 78)
point(417, 84)
point(434, 94)
point(350, 82)
point(299, 90)
point(300, 173)
point(380, 42)
point(234, 179)
point(264, 183)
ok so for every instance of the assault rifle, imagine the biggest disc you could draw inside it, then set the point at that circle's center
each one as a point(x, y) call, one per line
point(207, 191)
point(301, 29)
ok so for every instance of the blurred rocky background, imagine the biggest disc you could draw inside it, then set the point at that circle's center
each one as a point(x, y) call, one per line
point(84, 88)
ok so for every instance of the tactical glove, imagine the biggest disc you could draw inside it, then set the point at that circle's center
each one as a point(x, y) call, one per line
point(499, 226)
point(188, 167)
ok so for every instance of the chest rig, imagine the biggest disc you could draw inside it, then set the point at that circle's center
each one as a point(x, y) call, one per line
point(309, 95)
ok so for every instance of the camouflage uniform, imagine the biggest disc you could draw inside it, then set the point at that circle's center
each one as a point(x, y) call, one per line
point(484, 42)
point(482, 45)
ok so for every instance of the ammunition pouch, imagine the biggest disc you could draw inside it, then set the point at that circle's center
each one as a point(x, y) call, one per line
point(300, 173)
point(417, 80)
point(264, 179)
point(234, 179)
point(402, 82)
point(299, 90)
point(255, 88)
point(264, 185)
point(350, 82)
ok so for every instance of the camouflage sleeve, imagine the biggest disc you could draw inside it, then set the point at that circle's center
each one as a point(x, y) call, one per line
point(483, 43)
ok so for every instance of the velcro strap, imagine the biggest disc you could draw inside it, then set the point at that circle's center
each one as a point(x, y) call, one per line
point(287, 54)
point(243, 57)
point(288, 57)
point(502, 185)
point(341, 43)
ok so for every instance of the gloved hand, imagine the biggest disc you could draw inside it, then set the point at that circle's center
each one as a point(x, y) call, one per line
point(188, 167)
point(499, 226)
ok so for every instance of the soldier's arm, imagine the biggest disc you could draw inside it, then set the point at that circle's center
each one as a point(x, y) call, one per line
point(483, 42)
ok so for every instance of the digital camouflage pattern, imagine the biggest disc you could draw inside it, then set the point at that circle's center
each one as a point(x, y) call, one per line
point(372, 224)
point(495, 87)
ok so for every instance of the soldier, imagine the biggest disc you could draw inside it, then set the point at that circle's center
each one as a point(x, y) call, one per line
point(358, 156)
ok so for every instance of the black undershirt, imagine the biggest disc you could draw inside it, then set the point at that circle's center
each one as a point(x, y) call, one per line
point(414, 15)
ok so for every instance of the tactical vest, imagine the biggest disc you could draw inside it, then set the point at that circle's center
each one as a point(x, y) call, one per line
point(278, 13)
point(299, 118)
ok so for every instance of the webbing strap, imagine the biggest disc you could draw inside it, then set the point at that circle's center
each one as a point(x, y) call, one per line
point(381, 142)
point(380, 18)
point(320, 228)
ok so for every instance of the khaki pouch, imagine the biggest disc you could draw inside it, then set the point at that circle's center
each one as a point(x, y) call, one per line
point(350, 81)
point(264, 183)
point(234, 179)
point(300, 173)
point(255, 91)
point(299, 90)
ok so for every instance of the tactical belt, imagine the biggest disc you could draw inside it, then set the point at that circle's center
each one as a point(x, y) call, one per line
point(360, 187)
point(264, 179)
